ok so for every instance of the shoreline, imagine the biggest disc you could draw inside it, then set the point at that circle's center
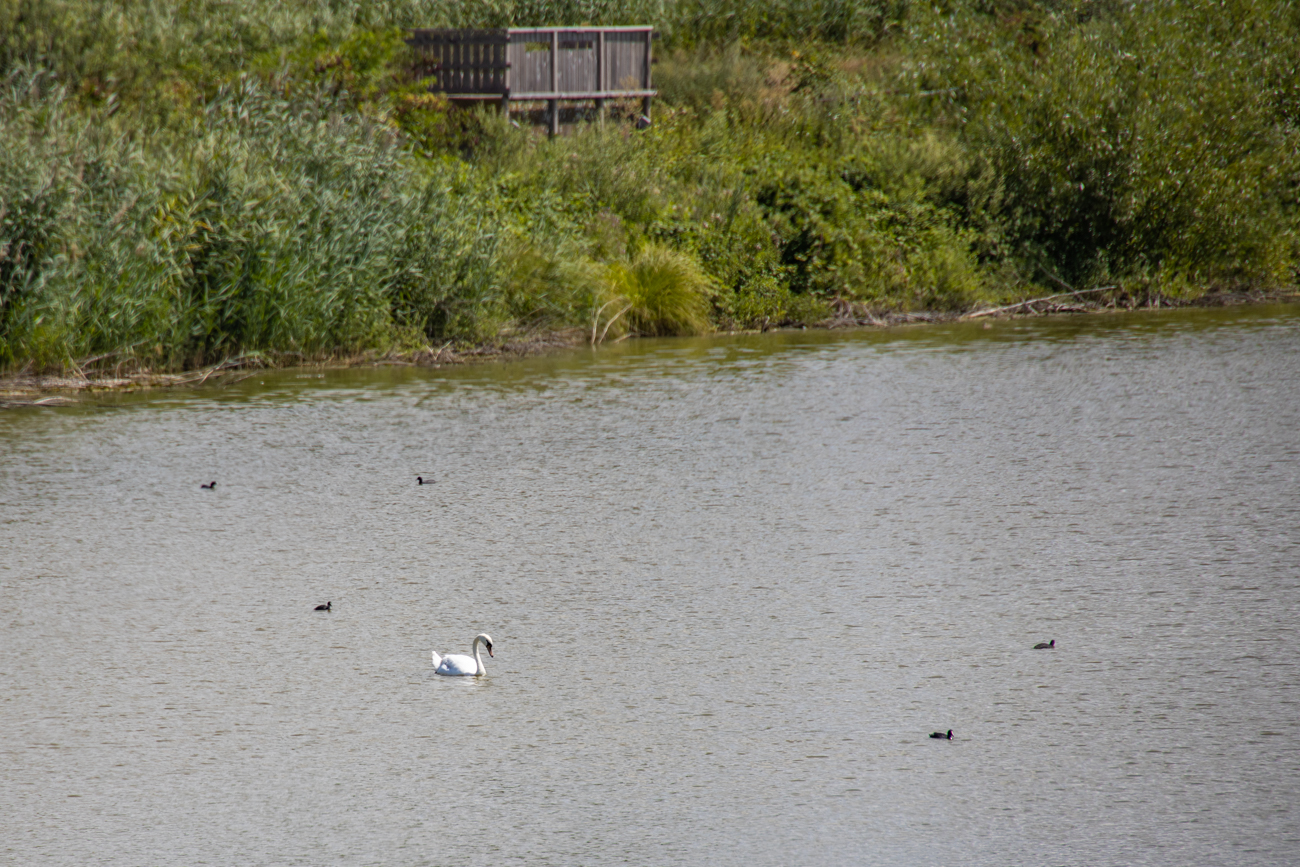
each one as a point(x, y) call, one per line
point(67, 388)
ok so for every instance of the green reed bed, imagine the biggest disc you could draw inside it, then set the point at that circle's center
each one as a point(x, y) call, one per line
point(186, 183)
point(266, 224)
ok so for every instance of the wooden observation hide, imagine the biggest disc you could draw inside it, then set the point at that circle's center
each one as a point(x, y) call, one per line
point(538, 63)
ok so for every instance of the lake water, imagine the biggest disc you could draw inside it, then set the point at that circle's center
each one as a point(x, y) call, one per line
point(733, 584)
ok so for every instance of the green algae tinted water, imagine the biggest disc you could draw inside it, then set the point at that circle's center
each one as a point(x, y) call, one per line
point(733, 584)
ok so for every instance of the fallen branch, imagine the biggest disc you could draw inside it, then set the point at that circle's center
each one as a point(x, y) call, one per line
point(612, 321)
point(979, 313)
point(44, 401)
point(228, 364)
point(236, 379)
point(595, 319)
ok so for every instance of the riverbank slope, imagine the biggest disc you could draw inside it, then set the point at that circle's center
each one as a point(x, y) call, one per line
point(187, 190)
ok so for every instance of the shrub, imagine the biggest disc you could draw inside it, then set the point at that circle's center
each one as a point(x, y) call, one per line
point(767, 303)
point(1131, 144)
point(839, 241)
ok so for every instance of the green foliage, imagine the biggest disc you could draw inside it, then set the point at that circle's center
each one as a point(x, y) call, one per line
point(32, 198)
point(660, 292)
point(1151, 142)
point(271, 224)
point(365, 63)
point(709, 78)
point(767, 303)
point(851, 21)
point(841, 236)
point(185, 181)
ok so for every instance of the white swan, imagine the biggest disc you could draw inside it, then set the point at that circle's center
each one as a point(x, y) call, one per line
point(456, 664)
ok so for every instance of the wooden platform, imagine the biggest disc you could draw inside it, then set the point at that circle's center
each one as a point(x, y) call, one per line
point(555, 64)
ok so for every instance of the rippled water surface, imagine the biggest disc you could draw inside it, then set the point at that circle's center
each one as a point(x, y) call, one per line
point(733, 585)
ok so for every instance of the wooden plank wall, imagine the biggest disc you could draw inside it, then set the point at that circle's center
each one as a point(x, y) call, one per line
point(519, 61)
point(627, 54)
point(577, 53)
point(530, 62)
point(463, 61)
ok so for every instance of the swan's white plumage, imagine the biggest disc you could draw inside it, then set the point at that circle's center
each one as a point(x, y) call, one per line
point(459, 665)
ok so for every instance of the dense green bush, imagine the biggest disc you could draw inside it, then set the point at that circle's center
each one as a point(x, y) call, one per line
point(849, 21)
point(1155, 143)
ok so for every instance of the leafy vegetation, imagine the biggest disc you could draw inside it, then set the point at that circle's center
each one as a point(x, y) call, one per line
point(184, 182)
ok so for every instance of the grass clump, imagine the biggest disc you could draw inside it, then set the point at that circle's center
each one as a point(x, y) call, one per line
point(660, 291)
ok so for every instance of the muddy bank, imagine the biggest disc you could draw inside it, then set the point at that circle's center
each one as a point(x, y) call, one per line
point(29, 388)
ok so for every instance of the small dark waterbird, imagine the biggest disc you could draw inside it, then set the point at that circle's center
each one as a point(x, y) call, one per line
point(325, 607)
point(942, 735)
point(420, 480)
point(209, 486)
point(1046, 645)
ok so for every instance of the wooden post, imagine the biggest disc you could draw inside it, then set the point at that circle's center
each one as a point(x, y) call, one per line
point(506, 80)
point(458, 59)
point(554, 104)
point(645, 101)
point(600, 75)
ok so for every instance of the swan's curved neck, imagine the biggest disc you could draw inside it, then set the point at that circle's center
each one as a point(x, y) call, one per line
point(478, 660)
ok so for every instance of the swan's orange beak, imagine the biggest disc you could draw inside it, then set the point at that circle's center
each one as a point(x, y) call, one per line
point(490, 651)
